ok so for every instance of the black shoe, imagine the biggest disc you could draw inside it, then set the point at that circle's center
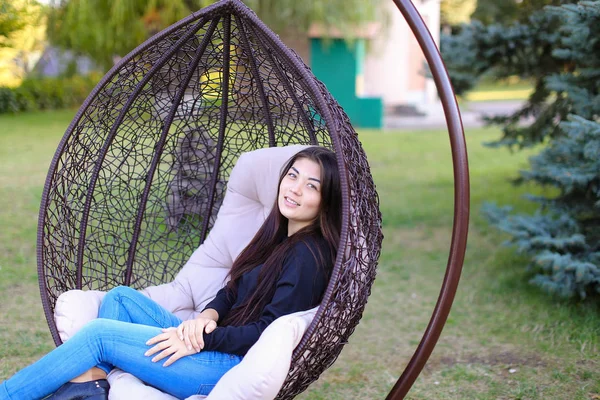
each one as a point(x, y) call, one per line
point(92, 390)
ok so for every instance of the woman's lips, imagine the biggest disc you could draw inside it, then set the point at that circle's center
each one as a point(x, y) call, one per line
point(291, 202)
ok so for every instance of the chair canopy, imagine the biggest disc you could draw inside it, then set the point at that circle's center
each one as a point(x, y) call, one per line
point(140, 173)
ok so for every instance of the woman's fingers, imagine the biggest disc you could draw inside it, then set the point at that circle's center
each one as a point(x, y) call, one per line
point(186, 335)
point(173, 358)
point(158, 338)
point(200, 339)
point(191, 332)
point(161, 346)
point(210, 327)
point(189, 336)
point(165, 353)
point(169, 344)
point(192, 336)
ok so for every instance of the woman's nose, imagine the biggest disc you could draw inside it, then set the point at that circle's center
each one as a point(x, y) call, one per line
point(297, 188)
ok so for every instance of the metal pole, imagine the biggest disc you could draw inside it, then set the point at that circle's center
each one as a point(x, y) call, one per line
point(461, 201)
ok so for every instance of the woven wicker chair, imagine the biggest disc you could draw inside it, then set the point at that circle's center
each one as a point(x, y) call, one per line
point(139, 176)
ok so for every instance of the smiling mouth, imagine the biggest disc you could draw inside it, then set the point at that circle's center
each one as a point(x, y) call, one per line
point(290, 201)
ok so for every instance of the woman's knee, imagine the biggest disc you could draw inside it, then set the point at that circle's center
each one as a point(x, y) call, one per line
point(112, 302)
point(117, 292)
point(115, 295)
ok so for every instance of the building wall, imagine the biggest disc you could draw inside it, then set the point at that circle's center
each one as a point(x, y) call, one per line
point(395, 63)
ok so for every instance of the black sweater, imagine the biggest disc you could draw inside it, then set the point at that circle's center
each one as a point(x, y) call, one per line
point(301, 285)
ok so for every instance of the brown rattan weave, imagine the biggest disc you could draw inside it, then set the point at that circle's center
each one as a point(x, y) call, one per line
point(141, 171)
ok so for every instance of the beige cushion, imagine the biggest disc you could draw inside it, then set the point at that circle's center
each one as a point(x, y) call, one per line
point(264, 368)
point(258, 377)
point(74, 309)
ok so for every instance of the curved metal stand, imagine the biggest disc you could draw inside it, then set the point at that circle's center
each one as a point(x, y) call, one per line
point(461, 201)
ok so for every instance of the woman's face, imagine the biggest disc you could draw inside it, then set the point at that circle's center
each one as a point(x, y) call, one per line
point(299, 197)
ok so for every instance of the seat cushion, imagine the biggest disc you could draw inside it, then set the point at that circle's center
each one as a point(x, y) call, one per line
point(264, 368)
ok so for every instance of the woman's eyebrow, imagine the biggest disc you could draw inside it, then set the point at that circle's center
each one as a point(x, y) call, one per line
point(310, 179)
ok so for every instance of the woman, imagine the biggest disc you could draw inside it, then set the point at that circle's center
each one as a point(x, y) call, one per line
point(284, 269)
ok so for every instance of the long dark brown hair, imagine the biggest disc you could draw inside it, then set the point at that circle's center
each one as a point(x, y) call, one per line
point(269, 247)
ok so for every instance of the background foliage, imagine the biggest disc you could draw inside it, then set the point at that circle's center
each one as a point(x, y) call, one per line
point(105, 29)
point(22, 39)
point(47, 93)
point(12, 19)
point(454, 12)
point(509, 11)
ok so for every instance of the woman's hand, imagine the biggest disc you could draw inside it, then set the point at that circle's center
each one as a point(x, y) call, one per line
point(169, 344)
point(191, 332)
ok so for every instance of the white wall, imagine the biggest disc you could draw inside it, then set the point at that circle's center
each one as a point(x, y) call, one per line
point(394, 60)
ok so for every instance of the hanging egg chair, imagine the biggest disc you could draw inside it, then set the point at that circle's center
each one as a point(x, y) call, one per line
point(141, 171)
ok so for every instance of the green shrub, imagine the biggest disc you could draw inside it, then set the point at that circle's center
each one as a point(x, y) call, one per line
point(8, 101)
point(47, 93)
point(25, 100)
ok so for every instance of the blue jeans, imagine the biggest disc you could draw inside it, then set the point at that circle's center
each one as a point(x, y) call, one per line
point(126, 320)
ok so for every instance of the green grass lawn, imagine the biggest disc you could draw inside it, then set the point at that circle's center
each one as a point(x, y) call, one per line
point(504, 338)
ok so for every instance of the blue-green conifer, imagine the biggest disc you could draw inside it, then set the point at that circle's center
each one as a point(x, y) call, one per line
point(560, 50)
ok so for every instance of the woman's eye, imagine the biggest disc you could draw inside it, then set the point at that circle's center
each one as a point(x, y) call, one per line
point(291, 175)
